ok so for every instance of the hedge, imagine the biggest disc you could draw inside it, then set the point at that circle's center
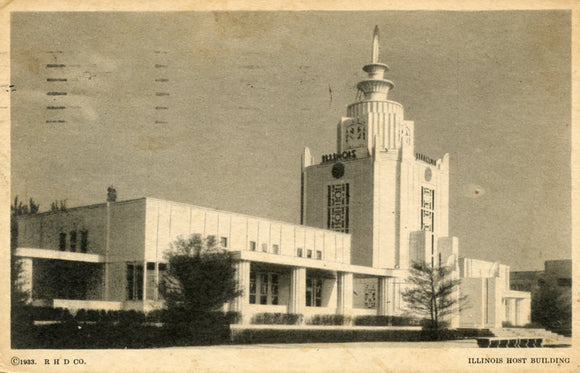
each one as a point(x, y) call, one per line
point(253, 336)
point(328, 320)
point(124, 316)
point(107, 335)
point(375, 320)
point(277, 318)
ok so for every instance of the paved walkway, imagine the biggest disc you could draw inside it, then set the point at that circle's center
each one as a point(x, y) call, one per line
point(466, 343)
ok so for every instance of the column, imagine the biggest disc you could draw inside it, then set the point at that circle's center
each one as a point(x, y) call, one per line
point(525, 311)
point(25, 280)
point(344, 294)
point(156, 281)
point(243, 279)
point(512, 311)
point(385, 296)
point(144, 283)
point(297, 290)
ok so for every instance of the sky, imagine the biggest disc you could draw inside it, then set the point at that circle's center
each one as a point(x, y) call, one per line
point(215, 109)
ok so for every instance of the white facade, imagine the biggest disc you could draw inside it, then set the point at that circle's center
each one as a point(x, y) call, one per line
point(490, 301)
point(397, 201)
point(119, 250)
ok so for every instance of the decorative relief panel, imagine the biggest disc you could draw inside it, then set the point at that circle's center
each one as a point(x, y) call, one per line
point(337, 207)
point(427, 209)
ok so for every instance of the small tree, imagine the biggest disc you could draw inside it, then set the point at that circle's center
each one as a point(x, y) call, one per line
point(19, 296)
point(200, 275)
point(552, 306)
point(432, 293)
point(58, 205)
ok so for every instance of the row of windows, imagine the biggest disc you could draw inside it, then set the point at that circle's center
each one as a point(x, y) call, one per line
point(276, 250)
point(135, 278)
point(72, 241)
point(300, 253)
point(264, 289)
point(264, 247)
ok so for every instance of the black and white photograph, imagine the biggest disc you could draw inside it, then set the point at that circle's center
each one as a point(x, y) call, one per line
point(289, 191)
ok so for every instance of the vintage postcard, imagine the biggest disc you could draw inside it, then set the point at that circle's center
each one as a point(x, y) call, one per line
point(288, 188)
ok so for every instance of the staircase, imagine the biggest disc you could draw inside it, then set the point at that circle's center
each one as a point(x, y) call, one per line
point(549, 338)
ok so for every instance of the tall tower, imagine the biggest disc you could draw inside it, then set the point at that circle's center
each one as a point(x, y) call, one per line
point(393, 201)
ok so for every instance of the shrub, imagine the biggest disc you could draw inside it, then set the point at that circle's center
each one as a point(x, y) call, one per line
point(92, 315)
point(233, 317)
point(246, 336)
point(438, 334)
point(81, 315)
point(327, 320)
point(154, 316)
point(506, 324)
point(407, 321)
point(379, 320)
point(428, 324)
point(131, 317)
point(373, 320)
point(277, 318)
point(87, 315)
point(46, 313)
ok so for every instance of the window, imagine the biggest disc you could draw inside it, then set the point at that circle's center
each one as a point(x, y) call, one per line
point(276, 249)
point(267, 283)
point(134, 282)
point(299, 252)
point(318, 254)
point(73, 241)
point(274, 289)
point(265, 247)
point(313, 292)
point(309, 253)
point(252, 287)
point(162, 266)
point(427, 209)
point(337, 216)
point(263, 288)
point(252, 245)
point(84, 240)
point(150, 266)
point(224, 242)
point(62, 241)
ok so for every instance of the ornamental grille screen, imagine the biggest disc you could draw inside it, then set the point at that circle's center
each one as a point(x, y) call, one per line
point(370, 296)
point(427, 209)
point(338, 201)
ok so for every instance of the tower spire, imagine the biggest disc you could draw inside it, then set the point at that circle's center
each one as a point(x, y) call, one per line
point(375, 87)
point(375, 53)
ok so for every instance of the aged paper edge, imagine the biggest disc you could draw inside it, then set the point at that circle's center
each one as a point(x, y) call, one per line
point(252, 358)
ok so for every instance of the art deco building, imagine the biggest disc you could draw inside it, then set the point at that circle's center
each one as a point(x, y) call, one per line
point(393, 201)
point(368, 212)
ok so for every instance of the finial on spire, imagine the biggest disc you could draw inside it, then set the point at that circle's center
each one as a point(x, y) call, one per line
point(376, 87)
point(375, 55)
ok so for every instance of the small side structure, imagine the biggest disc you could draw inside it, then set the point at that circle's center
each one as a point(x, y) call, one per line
point(490, 301)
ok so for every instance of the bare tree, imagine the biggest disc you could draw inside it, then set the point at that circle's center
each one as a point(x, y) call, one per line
point(433, 293)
